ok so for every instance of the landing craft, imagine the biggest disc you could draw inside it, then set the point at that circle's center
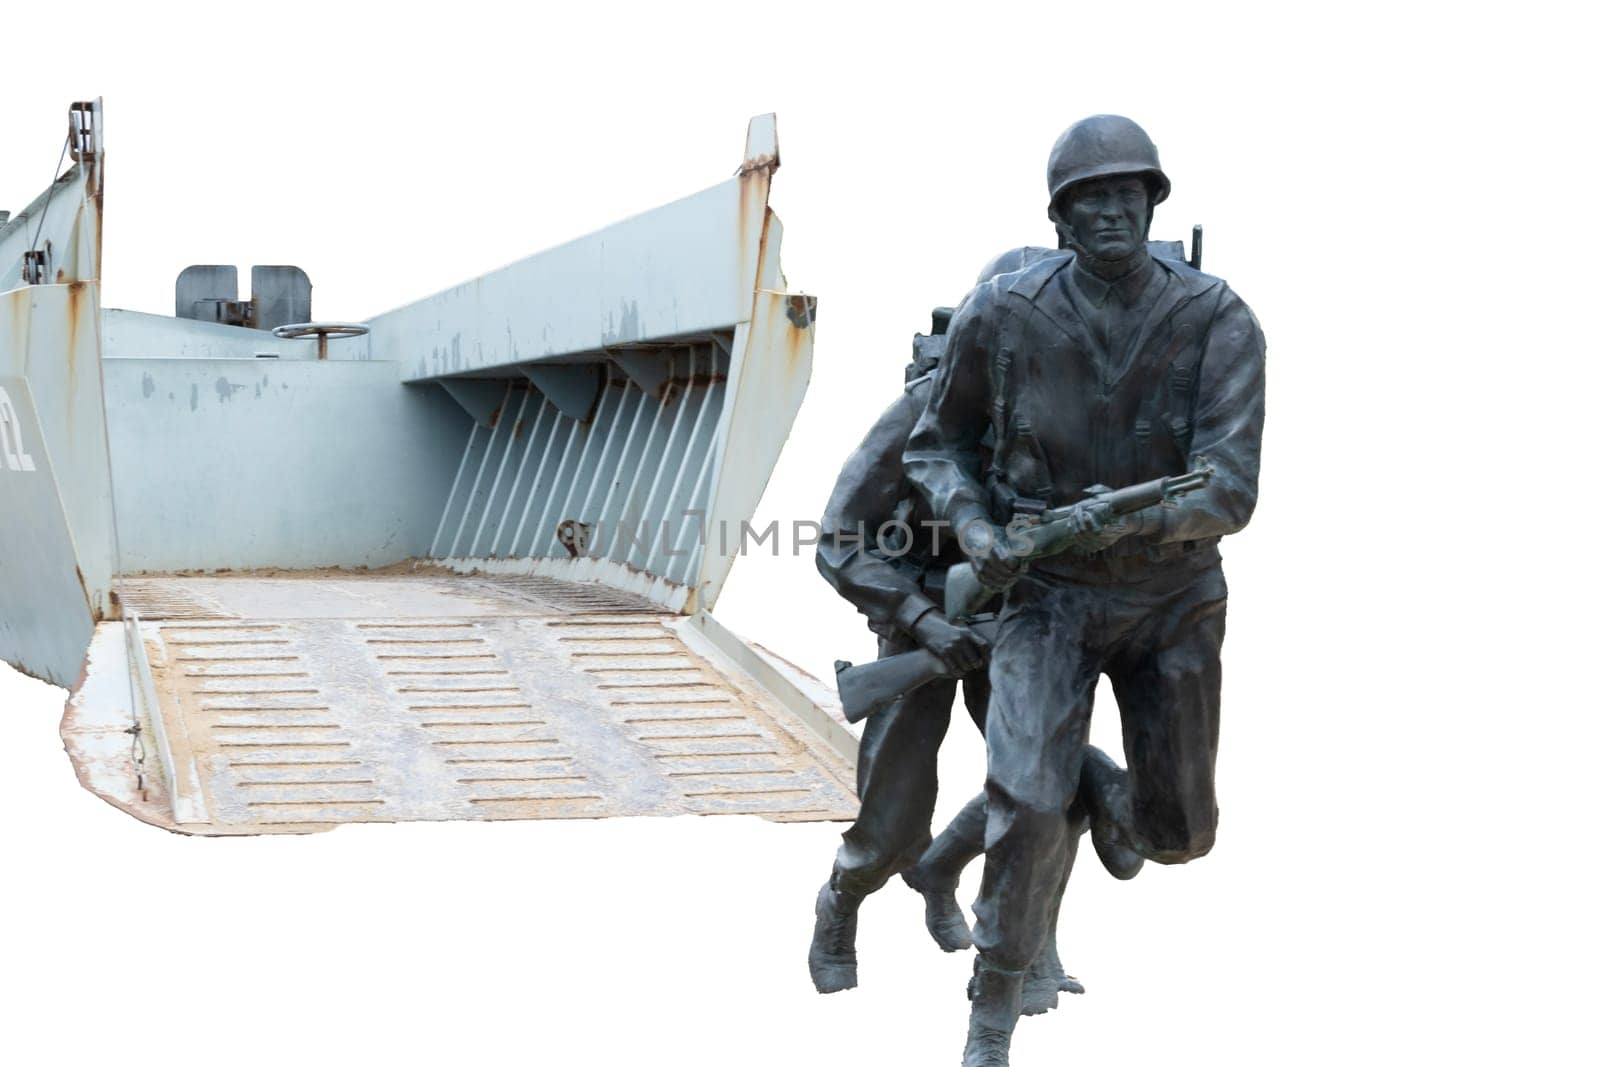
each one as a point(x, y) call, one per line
point(465, 578)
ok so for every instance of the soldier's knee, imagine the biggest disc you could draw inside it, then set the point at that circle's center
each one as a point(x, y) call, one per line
point(1171, 845)
point(1190, 851)
point(863, 864)
point(1174, 826)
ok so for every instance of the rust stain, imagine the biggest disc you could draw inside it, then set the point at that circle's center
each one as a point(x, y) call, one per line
point(761, 250)
point(88, 601)
point(792, 349)
point(764, 163)
point(75, 294)
point(702, 378)
point(753, 188)
point(801, 311)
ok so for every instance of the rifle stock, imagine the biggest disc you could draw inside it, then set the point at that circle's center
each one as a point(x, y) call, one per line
point(871, 687)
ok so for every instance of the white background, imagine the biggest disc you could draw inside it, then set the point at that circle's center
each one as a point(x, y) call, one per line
point(1403, 193)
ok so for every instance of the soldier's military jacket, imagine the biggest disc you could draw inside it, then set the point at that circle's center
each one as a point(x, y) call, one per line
point(1085, 382)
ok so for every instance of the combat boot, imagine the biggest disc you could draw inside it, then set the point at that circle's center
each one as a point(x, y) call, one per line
point(1103, 788)
point(833, 940)
point(947, 924)
point(996, 1002)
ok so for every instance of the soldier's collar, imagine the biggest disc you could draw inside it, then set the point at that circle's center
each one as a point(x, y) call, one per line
point(1128, 285)
point(1030, 281)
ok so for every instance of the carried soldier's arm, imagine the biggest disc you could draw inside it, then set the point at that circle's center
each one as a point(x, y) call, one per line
point(865, 497)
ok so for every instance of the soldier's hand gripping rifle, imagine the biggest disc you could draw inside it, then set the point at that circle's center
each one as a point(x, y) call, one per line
point(1040, 533)
point(871, 687)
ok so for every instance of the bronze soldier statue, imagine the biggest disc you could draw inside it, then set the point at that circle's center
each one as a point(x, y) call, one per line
point(1105, 366)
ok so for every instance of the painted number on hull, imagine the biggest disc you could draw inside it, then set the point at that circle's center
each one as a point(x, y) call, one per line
point(13, 455)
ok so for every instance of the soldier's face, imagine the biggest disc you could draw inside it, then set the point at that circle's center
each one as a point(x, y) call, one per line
point(1109, 216)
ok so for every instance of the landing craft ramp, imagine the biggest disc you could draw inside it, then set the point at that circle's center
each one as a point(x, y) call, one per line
point(296, 702)
point(475, 581)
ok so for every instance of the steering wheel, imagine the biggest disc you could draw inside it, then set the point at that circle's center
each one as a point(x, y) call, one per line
point(321, 331)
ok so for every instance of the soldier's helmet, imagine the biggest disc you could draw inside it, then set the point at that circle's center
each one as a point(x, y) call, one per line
point(1101, 146)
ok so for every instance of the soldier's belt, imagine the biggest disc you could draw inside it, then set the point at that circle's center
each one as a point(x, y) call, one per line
point(1126, 559)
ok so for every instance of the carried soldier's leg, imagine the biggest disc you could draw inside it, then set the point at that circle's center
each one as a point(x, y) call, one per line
point(1168, 680)
point(897, 782)
point(937, 874)
point(938, 871)
point(1043, 671)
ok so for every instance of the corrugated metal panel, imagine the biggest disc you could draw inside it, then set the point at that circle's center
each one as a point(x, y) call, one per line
point(653, 490)
point(624, 481)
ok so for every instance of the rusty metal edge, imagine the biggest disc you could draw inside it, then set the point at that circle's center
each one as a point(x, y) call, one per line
point(147, 706)
point(613, 574)
point(835, 746)
point(148, 814)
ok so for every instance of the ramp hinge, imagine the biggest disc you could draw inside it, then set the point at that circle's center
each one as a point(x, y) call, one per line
point(82, 133)
point(35, 266)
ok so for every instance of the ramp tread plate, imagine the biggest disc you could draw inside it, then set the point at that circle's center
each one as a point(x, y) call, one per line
point(504, 714)
point(158, 599)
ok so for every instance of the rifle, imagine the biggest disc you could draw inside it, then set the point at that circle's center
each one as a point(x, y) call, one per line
point(871, 687)
point(1051, 531)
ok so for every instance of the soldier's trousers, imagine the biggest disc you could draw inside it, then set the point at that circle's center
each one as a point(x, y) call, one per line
point(897, 778)
point(1159, 640)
